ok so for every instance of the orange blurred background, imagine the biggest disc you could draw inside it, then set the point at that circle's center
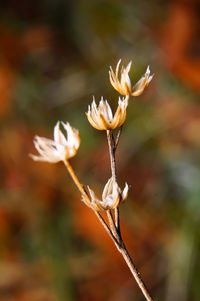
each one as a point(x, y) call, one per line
point(54, 56)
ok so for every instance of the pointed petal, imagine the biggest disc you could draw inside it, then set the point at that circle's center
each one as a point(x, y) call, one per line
point(125, 192)
point(109, 111)
point(117, 68)
point(58, 135)
point(107, 189)
point(93, 122)
point(141, 84)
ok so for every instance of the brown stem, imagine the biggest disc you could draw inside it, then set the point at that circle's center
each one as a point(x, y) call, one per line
point(113, 226)
point(112, 149)
point(110, 233)
point(111, 145)
point(113, 233)
point(77, 182)
point(118, 136)
point(87, 199)
point(122, 249)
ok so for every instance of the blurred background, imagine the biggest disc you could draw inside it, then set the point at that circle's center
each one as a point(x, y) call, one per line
point(54, 56)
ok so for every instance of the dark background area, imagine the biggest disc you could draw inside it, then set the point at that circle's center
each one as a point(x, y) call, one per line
point(54, 56)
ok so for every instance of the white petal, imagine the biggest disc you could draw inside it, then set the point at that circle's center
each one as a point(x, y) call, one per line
point(109, 111)
point(128, 67)
point(58, 135)
point(125, 192)
point(107, 189)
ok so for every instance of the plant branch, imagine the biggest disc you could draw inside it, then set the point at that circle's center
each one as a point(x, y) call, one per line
point(112, 150)
point(87, 199)
point(118, 136)
point(77, 182)
point(113, 232)
point(122, 249)
point(112, 225)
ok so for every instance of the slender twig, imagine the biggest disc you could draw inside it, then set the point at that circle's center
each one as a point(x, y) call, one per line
point(112, 151)
point(77, 182)
point(115, 227)
point(108, 230)
point(113, 231)
point(86, 199)
point(117, 220)
point(112, 225)
point(118, 136)
point(111, 145)
point(134, 271)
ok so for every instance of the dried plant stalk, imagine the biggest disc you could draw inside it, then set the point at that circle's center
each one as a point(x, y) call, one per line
point(62, 149)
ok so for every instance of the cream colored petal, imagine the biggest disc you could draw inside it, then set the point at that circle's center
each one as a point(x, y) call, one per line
point(114, 76)
point(125, 79)
point(114, 82)
point(108, 188)
point(125, 192)
point(44, 159)
point(110, 202)
point(101, 120)
point(92, 194)
point(92, 122)
point(117, 68)
point(93, 116)
point(43, 145)
point(102, 108)
point(105, 110)
point(150, 79)
point(128, 67)
point(105, 123)
point(58, 135)
point(109, 111)
point(120, 114)
point(94, 204)
point(139, 87)
point(117, 118)
point(47, 150)
point(96, 116)
point(73, 136)
point(110, 195)
point(94, 108)
point(122, 119)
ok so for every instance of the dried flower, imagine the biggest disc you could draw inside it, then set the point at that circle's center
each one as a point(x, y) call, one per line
point(101, 117)
point(59, 149)
point(112, 196)
point(123, 84)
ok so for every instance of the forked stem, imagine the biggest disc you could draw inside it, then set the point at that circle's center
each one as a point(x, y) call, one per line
point(87, 199)
point(112, 150)
point(115, 227)
point(113, 232)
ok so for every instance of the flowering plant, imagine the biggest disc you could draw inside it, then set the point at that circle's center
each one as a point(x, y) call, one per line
point(62, 149)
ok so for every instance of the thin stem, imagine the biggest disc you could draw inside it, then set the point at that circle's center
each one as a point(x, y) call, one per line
point(122, 249)
point(112, 225)
point(117, 220)
point(87, 199)
point(112, 149)
point(111, 145)
point(118, 136)
point(113, 232)
point(110, 233)
point(77, 182)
